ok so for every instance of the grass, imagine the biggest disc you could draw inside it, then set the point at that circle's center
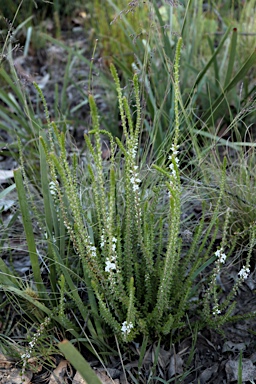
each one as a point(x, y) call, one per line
point(109, 241)
point(206, 72)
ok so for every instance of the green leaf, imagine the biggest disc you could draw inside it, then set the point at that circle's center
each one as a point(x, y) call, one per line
point(207, 66)
point(7, 190)
point(78, 362)
point(238, 77)
point(6, 275)
point(232, 55)
point(27, 223)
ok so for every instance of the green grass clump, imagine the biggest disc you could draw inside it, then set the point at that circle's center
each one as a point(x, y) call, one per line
point(240, 185)
point(121, 26)
point(212, 68)
point(123, 234)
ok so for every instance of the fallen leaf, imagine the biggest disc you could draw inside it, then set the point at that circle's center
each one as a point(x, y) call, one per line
point(176, 366)
point(77, 379)
point(105, 379)
point(228, 346)
point(58, 375)
point(5, 363)
point(207, 374)
point(248, 370)
point(12, 376)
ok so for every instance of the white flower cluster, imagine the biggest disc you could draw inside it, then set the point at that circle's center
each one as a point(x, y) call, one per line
point(53, 189)
point(126, 327)
point(34, 340)
point(110, 265)
point(174, 159)
point(102, 239)
point(244, 273)
point(114, 241)
point(134, 178)
point(110, 261)
point(221, 255)
point(133, 152)
point(92, 250)
point(174, 149)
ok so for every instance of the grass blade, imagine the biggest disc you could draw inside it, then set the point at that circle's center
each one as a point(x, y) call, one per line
point(29, 232)
point(232, 55)
point(7, 190)
point(238, 77)
point(6, 275)
point(207, 66)
point(79, 363)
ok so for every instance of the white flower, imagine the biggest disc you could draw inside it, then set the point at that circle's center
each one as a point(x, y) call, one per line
point(102, 238)
point(221, 255)
point(32, 343)
point(174, 160)
point(223, 258)
point(218, 253)
point(93, 250)
point(244, 273)
point(110, 265)
point(134, 179)
point(174, 148)
point(133, 152)
point(216, 311)
point(52, 188)
point(25, 356)
point(126, 327)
